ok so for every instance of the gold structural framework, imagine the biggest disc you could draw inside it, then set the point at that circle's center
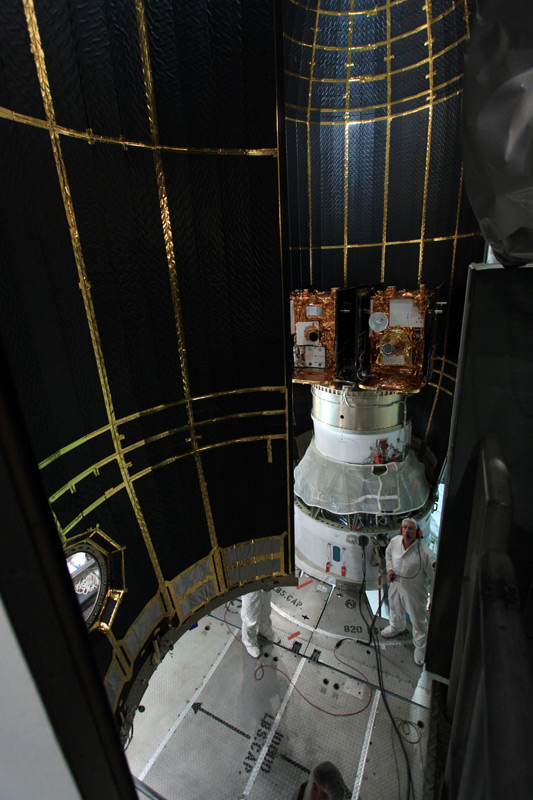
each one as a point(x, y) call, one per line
point(172, 599)
point(329, 60)
point(246, 562)
point(382, 113)
point(96, 138)
point(67, 528)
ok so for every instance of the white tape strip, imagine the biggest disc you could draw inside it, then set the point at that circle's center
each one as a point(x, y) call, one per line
point(273, 730)
point(185, 711)
point(366, 745)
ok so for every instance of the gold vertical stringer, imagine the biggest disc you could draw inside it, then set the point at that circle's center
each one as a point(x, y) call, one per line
point(308, 131)
point(174, 287)
point(290, 506)
point(290, 510)
point(427, 9)
point(387, 147)
point(447, 326)
point(467, 19)
point(347, 143)
point(85, 287)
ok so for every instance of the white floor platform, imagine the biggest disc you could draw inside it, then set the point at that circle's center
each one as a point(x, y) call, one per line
point(218, 724)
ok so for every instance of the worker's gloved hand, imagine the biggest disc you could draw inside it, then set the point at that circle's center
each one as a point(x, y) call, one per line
point(391, 575)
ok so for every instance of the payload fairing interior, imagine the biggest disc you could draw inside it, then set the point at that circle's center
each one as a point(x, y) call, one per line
point(173, 174)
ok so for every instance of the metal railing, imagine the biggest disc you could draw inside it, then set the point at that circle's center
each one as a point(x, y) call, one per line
point(490, 524)
point(145, 791)
point(490, 696)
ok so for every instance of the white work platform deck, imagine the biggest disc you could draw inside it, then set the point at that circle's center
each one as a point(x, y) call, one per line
point(218, 724)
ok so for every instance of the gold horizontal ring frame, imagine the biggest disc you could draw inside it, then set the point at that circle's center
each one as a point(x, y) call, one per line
point(381, 76)
point(193, 589)
point(378, 106)
point(155, 409)
point(96, 138)
point(370, 12)
point(233, 555)
point(254, 560)
point(440, 388)
point(261, 577)
point(397, 115)
point(147, 622)
point(93, 469)
point(63, 530)
point(451, 238)
point(234, 548)
point(444, 374)
point(446, 361)
point(374, 45)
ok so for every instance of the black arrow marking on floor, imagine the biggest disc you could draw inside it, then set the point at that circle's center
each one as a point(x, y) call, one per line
point(294, 763)
point(196, 707)
point(307, 771)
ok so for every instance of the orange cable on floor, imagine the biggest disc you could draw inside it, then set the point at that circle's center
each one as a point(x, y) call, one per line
point(261, 668)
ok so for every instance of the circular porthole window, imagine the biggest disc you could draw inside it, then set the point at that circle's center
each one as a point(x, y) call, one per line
point(88, 572)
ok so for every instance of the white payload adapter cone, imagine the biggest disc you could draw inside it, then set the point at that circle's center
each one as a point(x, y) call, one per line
point(356, 482)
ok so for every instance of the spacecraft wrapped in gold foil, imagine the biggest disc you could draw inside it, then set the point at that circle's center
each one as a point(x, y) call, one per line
point(369, 337)
point(397, 340)
point(314, 336)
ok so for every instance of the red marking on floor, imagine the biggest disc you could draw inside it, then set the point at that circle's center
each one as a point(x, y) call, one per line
point(304, 584)
point(294, 634)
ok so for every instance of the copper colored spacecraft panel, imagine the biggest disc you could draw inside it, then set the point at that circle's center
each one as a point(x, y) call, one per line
point(397, 329)
point(383, 344)
point(314, 337)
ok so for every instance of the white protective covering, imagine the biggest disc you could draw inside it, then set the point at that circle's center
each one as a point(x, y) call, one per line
point(255, 615)
point(408, 593)
point(356, 446)
point(358, 488)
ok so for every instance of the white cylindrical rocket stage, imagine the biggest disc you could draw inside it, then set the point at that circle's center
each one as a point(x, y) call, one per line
point(357, 481)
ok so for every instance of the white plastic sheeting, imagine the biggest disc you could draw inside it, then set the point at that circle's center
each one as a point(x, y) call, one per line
point(359, 447)
point(343, 488)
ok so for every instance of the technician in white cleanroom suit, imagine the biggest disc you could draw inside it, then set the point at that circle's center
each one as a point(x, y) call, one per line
point(410, 571)
point(255, 615)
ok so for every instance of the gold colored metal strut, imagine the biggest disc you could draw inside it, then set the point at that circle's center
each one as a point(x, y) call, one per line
point(347, 153)
point(429, 44)
point(308, 116)
point(387, 149)
point(85, 286)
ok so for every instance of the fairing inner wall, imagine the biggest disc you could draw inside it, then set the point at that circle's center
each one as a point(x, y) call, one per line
point(143, 299)
point(376, 190)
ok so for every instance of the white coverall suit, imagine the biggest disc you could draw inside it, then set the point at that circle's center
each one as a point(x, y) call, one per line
point(414, 568)
point(255, 615)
